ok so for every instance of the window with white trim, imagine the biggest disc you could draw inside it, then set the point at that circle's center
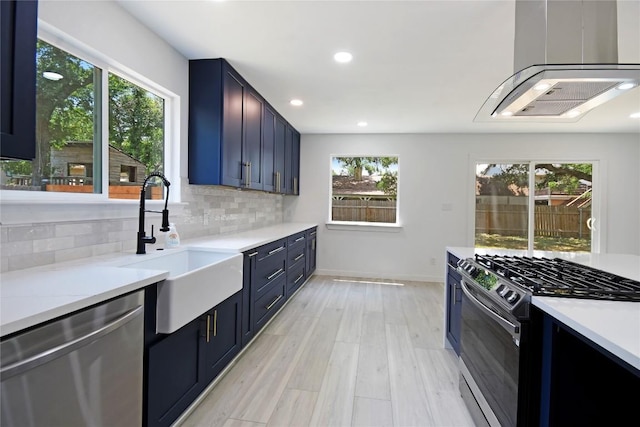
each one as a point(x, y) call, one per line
point(72, 114)
point(364, 189)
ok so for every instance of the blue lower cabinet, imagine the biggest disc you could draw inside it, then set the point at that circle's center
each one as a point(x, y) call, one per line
point(174, 374)
point(270, 302)
point(182, 364)
point(222, 339)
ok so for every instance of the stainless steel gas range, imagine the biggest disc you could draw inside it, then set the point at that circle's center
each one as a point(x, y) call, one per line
point(498, 375)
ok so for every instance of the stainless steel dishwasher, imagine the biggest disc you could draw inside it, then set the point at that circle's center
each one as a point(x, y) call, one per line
point(81, 370)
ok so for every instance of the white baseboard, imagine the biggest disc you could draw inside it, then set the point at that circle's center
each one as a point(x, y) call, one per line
point(369, 275)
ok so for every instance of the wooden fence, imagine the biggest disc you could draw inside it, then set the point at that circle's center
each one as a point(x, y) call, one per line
point(373, 210)
point(550, 221)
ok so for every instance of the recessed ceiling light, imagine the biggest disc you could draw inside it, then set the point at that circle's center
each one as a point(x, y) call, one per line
point(625, 86)
point(343, 57)
point(296, 102)
point(635, 115)
point(362, 124)
point(573, 113)
point(506, 113)
point(50, 75)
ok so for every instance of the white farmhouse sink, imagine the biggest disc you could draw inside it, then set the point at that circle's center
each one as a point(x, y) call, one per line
point(198, 280)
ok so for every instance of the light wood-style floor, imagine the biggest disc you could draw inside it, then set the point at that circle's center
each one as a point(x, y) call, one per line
point(344, 353)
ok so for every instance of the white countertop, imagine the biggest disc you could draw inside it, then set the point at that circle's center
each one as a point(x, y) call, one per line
point(615, 326)
point(36, 295)
point(240, 242)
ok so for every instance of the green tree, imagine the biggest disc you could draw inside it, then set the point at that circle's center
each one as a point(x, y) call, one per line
point(136, 122)
point(355, 166)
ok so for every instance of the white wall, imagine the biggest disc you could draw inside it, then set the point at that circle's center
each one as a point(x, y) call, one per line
point(436, 171)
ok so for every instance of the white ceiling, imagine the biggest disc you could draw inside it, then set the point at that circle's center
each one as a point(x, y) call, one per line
point(419, 66)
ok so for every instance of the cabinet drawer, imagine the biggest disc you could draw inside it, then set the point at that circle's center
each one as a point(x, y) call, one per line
point(273, 250)
point(266, 273)
point(296, 240)
point(452, 265)
point(270, 302)
point(295, 255)
point(295, 278)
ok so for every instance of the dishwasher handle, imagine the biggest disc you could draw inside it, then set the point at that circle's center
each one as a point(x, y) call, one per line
point(51, 354)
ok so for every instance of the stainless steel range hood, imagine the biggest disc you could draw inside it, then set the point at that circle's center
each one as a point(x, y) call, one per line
point(566, 62)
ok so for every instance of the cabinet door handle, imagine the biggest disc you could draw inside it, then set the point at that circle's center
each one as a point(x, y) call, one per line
point(208, 326)
point(277, 182)
point(215, 323)
point(247, 173)
point(313, 244)
point(295, 185)
point(276, 250)
point(299, 239)
point(275, 273)
point(298, 279)
point(298, 257)
point(313, 233)
point(252, 254)
point(274, 302)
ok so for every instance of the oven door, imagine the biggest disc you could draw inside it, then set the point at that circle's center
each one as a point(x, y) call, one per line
point(490, 357)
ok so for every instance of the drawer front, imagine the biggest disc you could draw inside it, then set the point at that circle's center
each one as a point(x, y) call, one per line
point(452, 264)
point(295, 255)
point(271, 250)
point(295, 278)
point(296, 240)
point(269, 303)
point(266, 273)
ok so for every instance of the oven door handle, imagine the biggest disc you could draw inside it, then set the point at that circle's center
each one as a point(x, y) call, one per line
point(510, 327)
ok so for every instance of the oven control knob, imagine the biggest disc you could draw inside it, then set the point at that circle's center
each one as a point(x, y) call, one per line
point(504, 291)
point(506, 295)
point(500, 288)
point(513, 298)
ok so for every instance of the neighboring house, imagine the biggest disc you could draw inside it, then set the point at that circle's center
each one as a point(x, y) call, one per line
point(74, 163)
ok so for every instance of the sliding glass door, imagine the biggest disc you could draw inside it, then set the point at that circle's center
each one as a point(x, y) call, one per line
point(555, 216)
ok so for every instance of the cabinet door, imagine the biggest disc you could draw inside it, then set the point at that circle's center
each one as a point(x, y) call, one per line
point(268, 149)
point(311, 251)
point(252, 150)
point(232, 130)
point(454, 306)
point(222, 339)
point(18, 79)
point(295, 163)
point(174, 376)
point(288, 161)
point(279, 156)
point(249, 268)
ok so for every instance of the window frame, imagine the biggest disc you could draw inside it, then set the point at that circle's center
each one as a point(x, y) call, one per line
point(363, 225)
point(59, 39)
point(597, 208)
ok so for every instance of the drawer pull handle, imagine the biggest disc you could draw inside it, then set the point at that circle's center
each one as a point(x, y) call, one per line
point(274, 274)
point(313, 233)
point(208, 326)
point(215, 323)
point(298, 257)
point(298, 279)
point(274, 302)
point(299, 239)
point(276, 250)
point(252, 254)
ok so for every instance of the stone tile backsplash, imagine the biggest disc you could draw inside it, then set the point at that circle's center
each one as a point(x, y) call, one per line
point(205, 210)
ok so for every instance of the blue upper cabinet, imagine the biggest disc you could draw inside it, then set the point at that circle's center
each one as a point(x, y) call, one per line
point(235, 137)
point(18, 79)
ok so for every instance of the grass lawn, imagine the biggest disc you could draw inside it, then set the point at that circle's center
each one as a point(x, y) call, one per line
point(565, 244)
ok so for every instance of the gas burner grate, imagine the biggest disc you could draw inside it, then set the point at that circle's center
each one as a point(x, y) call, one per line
point(561, 278)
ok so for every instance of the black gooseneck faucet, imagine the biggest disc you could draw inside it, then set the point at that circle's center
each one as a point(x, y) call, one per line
point(143, 239)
